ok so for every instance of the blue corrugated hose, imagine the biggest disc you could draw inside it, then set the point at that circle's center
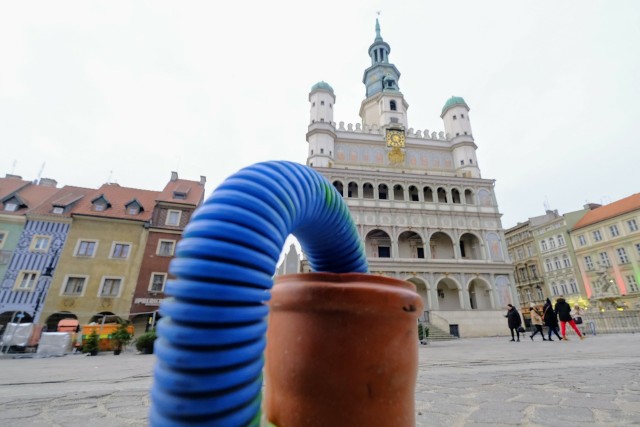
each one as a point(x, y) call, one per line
point(211, 337)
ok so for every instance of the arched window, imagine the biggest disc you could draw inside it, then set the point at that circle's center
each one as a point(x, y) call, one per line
point(428, 194)
point(367, 191)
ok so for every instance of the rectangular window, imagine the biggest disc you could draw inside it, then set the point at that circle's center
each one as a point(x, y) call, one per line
point(638, 249)
point(157, 282)
point(554, 289)
point(3, 238)
point(574, 286)
point(74, 285)
point(632, 224)
point(581, 240)
point(613, 230)
point(622, 256)
point(120, 250)
point(563, 288)
point(543, 245)
point(26, 281)
point(420, 252)
point(632, 284)
point(58, 210)
point(40, 243)
point(110, 287)
point(604, 259)
point(548, 265)
point(534, 271)
point(561, 240)
point(588, 262)
point(384, 252)
point(166, 247)
point(552, 243)
point(597, 236)
point(86, 248)
point(10, 207)
point(173, 218)
point(566, 261)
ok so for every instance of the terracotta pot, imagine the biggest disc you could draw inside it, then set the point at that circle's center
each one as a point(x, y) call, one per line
point(342, 350)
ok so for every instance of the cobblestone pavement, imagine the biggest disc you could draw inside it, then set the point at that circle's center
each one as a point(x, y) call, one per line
point(467, 382)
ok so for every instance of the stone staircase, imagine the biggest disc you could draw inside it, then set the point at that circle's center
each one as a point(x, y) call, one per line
point(437, 334)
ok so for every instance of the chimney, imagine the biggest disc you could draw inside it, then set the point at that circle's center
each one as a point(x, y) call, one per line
point(11, 176)
point(48, 182)
point(592, 206)
point(203, 179)
point(174, 176)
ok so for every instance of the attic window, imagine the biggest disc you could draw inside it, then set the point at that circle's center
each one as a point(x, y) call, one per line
point(99, 207)
point(179, 195)
point(58, 210)
point(133, 210)
point(10, 207)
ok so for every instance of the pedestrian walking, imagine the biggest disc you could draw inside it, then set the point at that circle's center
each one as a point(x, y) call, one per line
point(514, 321)
point(550, 319)
point(578, 312)
point(563, 309)
point(536, 321)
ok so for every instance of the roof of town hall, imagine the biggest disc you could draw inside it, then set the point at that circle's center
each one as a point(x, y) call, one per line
point(118, 198)
point(619, 207)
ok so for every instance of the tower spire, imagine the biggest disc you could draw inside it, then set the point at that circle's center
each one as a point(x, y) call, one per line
point(378, 36)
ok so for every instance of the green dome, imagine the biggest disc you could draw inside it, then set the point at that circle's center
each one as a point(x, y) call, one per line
point(454, 100)
point(323, 86)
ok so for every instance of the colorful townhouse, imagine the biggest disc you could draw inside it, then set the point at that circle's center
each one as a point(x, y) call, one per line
point(11, 225)
point(607, 247)
point(98, 268)
point(26, 279)
point(173, 209)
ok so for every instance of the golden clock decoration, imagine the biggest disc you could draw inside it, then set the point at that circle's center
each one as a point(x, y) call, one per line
point(396, 155)
point(395, 138)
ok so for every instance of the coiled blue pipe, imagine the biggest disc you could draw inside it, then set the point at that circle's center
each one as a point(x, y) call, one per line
point(211, 337)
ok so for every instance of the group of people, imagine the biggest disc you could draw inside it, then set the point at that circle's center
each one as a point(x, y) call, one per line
point(549, 317)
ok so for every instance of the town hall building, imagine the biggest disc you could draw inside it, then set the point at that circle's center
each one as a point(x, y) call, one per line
point(420, 204)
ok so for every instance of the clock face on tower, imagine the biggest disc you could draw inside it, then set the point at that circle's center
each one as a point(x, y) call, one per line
point(395, 138)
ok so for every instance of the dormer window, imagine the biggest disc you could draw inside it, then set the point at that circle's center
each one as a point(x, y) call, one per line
point(10, 207)
point(392, 106)
point(58, 210)
point(179, 195)
point(100, 203)
point(133, 207)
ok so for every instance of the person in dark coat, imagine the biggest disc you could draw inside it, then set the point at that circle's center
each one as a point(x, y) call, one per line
point(563, 310)
point(550, 319)
point(514, 321)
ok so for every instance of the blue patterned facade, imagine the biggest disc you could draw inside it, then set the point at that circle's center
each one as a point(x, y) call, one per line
point(24, 259)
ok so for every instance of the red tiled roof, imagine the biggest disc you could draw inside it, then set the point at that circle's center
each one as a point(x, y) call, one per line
point(32, 196)
point(62, 198)
point(620, 207)
point(10, 185)
point(193, 190)
point(118, 197)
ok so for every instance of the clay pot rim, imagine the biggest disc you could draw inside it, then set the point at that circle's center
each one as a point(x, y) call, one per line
point(344, 278)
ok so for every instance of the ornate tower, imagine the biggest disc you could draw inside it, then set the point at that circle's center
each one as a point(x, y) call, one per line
point(384, 103)
point(455, 115)
point(321, 135)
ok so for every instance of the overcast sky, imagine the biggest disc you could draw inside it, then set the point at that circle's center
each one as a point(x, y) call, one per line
point(130, 91)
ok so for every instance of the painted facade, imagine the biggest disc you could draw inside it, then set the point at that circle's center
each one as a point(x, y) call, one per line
point(421, 207)
point(607, 248)
point(98, 268)
point(173, 210)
